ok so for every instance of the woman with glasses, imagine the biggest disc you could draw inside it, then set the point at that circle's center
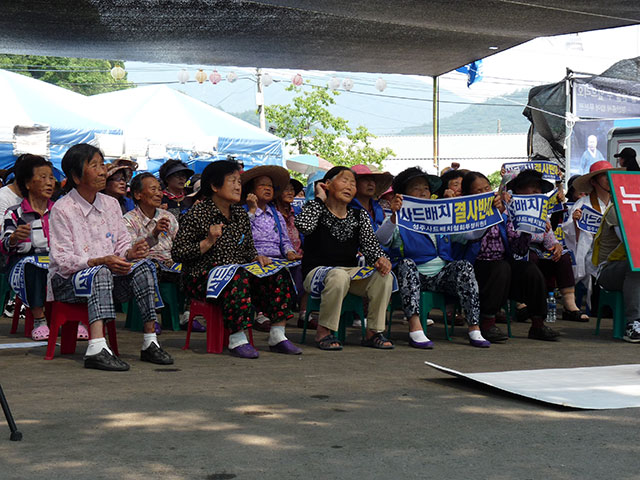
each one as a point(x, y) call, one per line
point(119, 175)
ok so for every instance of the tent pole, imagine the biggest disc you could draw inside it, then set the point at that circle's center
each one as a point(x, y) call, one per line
point(567, 147)
point(436, 126)
point(260, 99)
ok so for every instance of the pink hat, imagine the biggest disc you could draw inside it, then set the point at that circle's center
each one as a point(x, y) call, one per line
point(383, 179)
point(582, 184)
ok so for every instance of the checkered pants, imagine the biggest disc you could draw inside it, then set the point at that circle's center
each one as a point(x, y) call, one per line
point(109, 288)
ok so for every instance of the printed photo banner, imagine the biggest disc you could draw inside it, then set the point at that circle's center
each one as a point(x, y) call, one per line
point(219, 277)
point(549, 170)
point(529, 213)
point(317, 281)
point(16, 276)
point(83, 280)
point(448, 215)
point(590, 220)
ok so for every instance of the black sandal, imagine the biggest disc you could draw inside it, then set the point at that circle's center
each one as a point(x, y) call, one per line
point(326, 343)
point(575, 316)
point(378, 340)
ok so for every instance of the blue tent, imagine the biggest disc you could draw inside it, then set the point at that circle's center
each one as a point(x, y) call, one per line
point(186, 128)
point(27, 102)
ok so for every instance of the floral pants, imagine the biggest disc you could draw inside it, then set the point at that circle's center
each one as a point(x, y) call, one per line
point(273, 295)
point(456, 278)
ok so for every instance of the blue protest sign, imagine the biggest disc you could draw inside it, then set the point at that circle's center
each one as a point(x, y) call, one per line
point(528, 212)
point(448, 215)
point(317, 281)
point(590, 220)
point(175, 268)
point(549, 170)
point(16, 275)
point(83, 281)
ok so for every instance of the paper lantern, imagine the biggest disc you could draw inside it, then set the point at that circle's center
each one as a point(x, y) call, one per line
point(267, 79)
point(215, 77)
point(347, 84)
point(334, 83)
point(296, 79)
point(201, 77)
point(232, 77)
point(381, 84)
point(183, 76)
point(117, 73)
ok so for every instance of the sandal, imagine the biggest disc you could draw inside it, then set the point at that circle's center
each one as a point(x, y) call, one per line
point(40, 333)
point(574, 316)
point(326, 343)
point(378, 340)
point(83, 334)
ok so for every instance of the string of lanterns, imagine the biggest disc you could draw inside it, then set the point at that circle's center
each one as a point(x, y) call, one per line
point(118, 73)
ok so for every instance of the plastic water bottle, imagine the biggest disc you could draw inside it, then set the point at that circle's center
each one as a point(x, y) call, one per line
point(551, 307)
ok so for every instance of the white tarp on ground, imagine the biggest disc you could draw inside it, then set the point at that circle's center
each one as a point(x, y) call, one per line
point(591, 388)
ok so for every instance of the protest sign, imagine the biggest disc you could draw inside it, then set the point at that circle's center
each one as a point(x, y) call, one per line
point(625, 190)
point(528, 213)
point(317, 281)
point(590, 220)
point(448, 215)
point(549, 170)
point(16, 276)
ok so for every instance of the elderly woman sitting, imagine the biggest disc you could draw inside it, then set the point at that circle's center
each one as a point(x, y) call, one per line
point(119, 175)
point(87, 230)
point(268, 226)
point(334, 234)
point(217, 232)
point(26, 233)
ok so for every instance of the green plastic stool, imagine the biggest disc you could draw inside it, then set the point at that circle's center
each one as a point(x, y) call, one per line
point(433, 300)
point(394, 304)
point(172, 299)
point(511, 311)
point(615, 300)
point(350, 305)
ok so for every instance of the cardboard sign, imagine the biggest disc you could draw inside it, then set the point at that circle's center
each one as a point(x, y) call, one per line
point(625, 190)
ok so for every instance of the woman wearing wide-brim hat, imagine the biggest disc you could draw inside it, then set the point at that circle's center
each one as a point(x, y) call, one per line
point(370, 183)
point(260, 186)
point(119, 173)
point(596, 185)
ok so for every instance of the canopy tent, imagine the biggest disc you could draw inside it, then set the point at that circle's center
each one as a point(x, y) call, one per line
point(63, 114)
point(159, 122)
point(596, 102)
point(308, 164)
point(424, 37)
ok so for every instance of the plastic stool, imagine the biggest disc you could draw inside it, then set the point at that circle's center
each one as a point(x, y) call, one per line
point(67, 316)
point(28, 319)
point(170, 313)
point(394, 304)
point(615, 300)
point(350, 305)
point(217, 335)
point(434, 300)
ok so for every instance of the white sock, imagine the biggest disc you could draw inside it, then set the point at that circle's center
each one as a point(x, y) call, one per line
point(96, 345)
point(418, 336)
point(38, 322)
point(184, 318)
point(476, 335)
point(237, 339)
point(148, 339)
point(276, 335)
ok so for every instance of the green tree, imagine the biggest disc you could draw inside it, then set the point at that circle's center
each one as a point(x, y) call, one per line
point(494, 179)
point(80, 75)
point(313, 129)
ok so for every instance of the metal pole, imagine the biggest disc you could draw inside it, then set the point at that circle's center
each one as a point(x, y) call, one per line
point(15, 436)
point(260, 99)
point(568, 110)
point(436, 126)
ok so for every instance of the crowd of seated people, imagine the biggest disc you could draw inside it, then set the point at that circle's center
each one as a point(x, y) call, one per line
point(129, 230)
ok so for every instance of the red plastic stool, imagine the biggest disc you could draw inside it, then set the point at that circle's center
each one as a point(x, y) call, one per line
point(67, 316)
point(217, 335)
point(28, 320)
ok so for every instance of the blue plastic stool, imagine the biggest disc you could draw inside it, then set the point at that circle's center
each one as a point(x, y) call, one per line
point(350, 305)
point(615, 300)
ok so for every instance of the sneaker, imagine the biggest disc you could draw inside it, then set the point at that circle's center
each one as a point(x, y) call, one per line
point(9, 307)
point(632, 333)
point(262, 323)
